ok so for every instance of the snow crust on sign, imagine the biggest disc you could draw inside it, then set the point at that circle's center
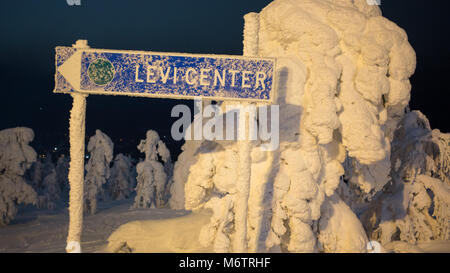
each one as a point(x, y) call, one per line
point(16, 156)
point(131, 76)
point(343, 85)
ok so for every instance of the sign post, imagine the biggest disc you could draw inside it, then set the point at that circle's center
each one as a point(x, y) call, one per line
point(81, 71)
point(76, 169)
point(251, 30)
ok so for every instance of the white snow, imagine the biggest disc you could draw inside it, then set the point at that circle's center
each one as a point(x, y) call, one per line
point(179, 234)
point(340, 229)
point(44, 231)
point(153, 230)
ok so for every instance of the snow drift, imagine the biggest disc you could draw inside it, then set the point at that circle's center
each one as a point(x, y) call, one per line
point(160, 235)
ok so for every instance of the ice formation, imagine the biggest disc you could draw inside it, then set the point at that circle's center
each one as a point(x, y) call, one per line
point(152, 180)
point(100, 148)
point(16, 156)
point(123, 179)
point(416, 205)
point(343, 85)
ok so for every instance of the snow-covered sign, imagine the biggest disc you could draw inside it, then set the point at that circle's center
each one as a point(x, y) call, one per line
point(164, 75)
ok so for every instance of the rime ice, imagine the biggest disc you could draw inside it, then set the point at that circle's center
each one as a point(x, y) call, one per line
point(342, 87)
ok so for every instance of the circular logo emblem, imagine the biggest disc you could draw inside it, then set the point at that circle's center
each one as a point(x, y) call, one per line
point(101, 71)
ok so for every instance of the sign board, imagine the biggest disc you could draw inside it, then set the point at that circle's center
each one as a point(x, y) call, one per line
point(164, 75)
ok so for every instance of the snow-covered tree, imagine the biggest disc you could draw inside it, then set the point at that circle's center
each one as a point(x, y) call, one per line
point(152, 183)
point(50, 191)
point(44, 180)
point(16, 156)
point(415, 206)
point(122, 180)
point(343, 86)
point(62, 173)
point(100, 148)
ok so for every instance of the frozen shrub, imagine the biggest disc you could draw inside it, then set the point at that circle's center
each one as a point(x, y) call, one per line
point(152, 188)
point(416, 205)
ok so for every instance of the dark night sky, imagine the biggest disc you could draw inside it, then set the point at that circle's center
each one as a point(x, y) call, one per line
point(30, 30)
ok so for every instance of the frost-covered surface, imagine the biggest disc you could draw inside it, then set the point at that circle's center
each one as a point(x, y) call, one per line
point(123, 178)
point(152, 184)
point(343, 84)
point(100, 148)
point(16, 156)
point(340, 229)
point(416, 205)
point(42, 231)
point(178, 234)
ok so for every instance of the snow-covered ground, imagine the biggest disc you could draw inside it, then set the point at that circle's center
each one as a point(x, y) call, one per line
point(44, 231)
point(41, 231)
